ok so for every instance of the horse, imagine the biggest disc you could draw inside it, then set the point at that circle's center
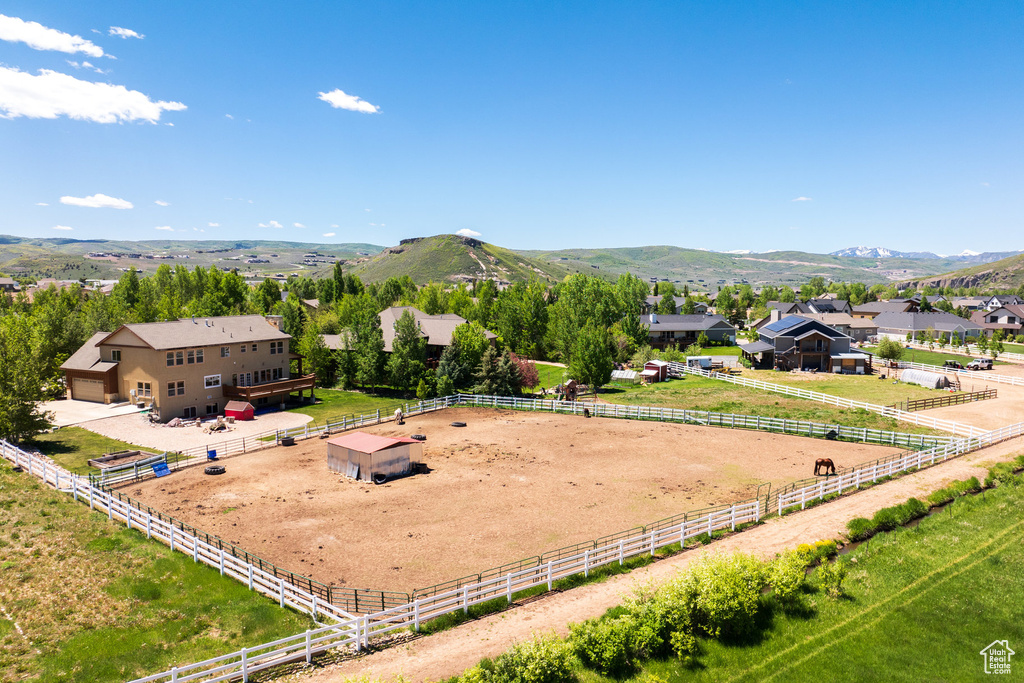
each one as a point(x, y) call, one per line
point(399, 417)
point(825, 464)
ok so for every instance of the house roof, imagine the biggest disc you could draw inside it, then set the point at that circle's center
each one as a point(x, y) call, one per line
point(217, 331)
point(757, 347)
point(884, 307)
point(796, 325)
point(683, 323)
point(88, 357)
point(919, 322)
point(238, 405)
point(436, 329)
point(335, 342)
point(367, 443)
point(827, 305)
point(788, 307)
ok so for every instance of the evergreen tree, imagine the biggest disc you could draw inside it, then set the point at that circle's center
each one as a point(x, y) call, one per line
point(406, 363)
point(450, 366)
point(21, 380)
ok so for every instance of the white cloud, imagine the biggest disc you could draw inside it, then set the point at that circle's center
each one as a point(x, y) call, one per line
point(199, 229)
point(298, 225)
point(52, 94)
point(339, 99)
point(85, 65)
point(41, 204)
point(334, 225)
point(373, 224)
point(98, 201)
point(367, 209)
point(466, 232)
point(125, 33)
point(161, 202)
point(271, 224)
point(802, 199)
point(164, 227)
point(39, 37)
point(328, 234)
point(62, 227)
point(213, 225)
point(229, 116)
point(985, 184)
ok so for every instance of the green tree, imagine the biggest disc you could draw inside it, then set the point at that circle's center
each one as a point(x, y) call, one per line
point(667, 305)
point(406, 363)
point(369, 346)
point(498, 375)
point(591, 362)
point(450, 366)
point(889, 349)
point(702, 340)
point(266, 296)
point(520, 317)
point(471, 341)
point(319, 358)
point(21, 378)
point(787, 295)
point(338, 276)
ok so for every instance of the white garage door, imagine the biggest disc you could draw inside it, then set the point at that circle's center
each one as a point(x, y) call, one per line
point(87, 390)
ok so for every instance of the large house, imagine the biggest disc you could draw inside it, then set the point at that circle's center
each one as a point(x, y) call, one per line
point(189, 367)
point(1008, 318)
point(875, 308)
point(1000, 300)
point(7, 284)
point(799, 343)
point(683, 330)
point(899, 325)
point(435, 329)
point(814, 306)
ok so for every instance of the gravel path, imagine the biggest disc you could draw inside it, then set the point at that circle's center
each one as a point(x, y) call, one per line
point(139, 430)
point(451, 652)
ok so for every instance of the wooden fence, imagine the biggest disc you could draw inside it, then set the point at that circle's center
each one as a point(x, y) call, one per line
point(885, 411)
point(955, 399)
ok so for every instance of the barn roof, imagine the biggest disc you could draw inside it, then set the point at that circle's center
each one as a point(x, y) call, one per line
point(367, 443)
point(238, 405)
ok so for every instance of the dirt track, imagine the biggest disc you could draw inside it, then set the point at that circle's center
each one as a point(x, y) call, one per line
point(508, 486)
point(451, 652)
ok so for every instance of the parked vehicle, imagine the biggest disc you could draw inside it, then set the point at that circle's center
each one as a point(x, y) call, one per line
point(980, 364)
point(953, 365)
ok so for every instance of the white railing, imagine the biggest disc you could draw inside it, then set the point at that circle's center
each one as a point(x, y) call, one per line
point(885, 411)
point(178, 539)
point(979, 375)
point(854, 479)
point(971, 350)
point(710, 419)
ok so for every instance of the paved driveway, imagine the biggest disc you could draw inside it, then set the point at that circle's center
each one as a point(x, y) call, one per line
point(68, 412)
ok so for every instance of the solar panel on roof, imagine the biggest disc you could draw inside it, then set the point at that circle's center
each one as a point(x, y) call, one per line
point(785, 324)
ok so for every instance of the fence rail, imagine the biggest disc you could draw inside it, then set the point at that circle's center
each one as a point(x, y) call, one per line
point(885, 411)
point(970, 350)
point(911, 405)
point(980, 375)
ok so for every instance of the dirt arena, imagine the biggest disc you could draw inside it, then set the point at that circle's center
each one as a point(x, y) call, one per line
point(508, 485)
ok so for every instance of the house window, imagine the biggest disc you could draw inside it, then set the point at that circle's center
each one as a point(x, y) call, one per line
point(191, 357)
point(144, 389)
point(248, 379)
point(234, 380)
point(276, 347)
point(189, 412)
point(115, 355)
point(179, 357)
point(254, 348)
point(170, 359)
point(277, 373)
point(225, 351)
point(243, 348)
point(211, 381)
point(199, 356)
point(181, 388)
point(211, 409)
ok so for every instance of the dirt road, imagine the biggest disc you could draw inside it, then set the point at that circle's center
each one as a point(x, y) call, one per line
point(450, 652)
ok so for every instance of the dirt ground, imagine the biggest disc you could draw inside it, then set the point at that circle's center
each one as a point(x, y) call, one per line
point(508, 486)
point(450, 652)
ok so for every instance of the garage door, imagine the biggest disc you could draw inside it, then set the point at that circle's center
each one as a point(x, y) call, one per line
point(87, 390)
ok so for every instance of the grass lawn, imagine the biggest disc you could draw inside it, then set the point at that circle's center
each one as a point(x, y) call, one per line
point(550, 375)
point(699, 393)
point(97, 602)
point(72, 447)
point(334, 403)
point(920, 605)
point(1013, 348)
point(868, 388)
point(931, 357)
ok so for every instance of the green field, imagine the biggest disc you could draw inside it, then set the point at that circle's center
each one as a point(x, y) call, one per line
point(699, 393)
point(97, 602)
point(550, 375)
point(333, 404)
point(72, 447)
point(930, 357)
point(867, 388)
point(921, 604)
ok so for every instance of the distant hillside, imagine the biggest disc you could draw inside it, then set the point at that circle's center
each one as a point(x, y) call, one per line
point(966, 257)
point(1005, 274)
point(451, 258)
point(699, 268)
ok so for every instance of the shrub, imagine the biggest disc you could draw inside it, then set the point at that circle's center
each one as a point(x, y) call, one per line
point(541, 660)
point(726, 592)
point(1000, 473)
point(614, 646)
point(915, 509)
point(942, 496)
point(831, 575)
point(786, 575)
point(859, 528)
point(813, 553)
point(962, 488)
point(887, 518)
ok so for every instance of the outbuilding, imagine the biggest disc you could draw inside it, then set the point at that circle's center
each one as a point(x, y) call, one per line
point(367, 457)
point(931, 380)
point(240, 410)
point(655, 371)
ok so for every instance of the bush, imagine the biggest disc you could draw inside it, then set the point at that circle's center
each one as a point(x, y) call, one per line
point(813, 553)
point(1000, 473)
point(915, 509)
point(726, 592)
point(887, 519)
point(831, 576)
point(614, 646)
point(942, 496)
point(859, 528)
point(541, 660)
point(786, 575)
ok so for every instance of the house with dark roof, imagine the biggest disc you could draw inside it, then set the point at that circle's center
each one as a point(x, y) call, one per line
point(1000, 300)
point(899, 325)
point(799, 343)
point(7, 284)
point(435, 329)
point(652, 303)
point(189, 367)
point(1009, 319)
point(873, 309)
point(683, 330)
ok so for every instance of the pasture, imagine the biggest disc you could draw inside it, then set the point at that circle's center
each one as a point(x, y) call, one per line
point(507, 486)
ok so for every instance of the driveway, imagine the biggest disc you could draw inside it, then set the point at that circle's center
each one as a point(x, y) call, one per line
point(68, 412)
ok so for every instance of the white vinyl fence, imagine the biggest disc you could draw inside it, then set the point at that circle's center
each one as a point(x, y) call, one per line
point(971, 350)
point(885, 411)
point(855, 478)
point(975, 375)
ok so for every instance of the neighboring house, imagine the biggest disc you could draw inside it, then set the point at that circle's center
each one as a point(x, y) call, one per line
point(188, 367)
point(829, 306)
point(45, 284)
point(1000, 300)
point(436, 329)
point(683, 330)
point(789, 308)
point(1009, 319)
point(311, 305)
point(898, 325)
point(860, 329)
point(799, 343)
point(970, 303)
point(7, 284)
point(652, 303)
point(876, 308)
point(931, 299)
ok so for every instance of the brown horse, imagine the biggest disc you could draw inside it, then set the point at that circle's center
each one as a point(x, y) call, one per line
point(824, 464)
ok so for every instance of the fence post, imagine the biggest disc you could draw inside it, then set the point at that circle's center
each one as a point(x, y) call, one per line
point(465, 599)
point(508, 587)
point(682, 535)
point(174, 674)
point(549, 574)
point(416, 615)
point(309, 649)
point(250, 577)
point(149, 526)
point(195, 548)
point(733, 518)
point(245, 668)
point(281, 596)
point(314, 605)
point(653, 531)
point(91, 506)
point(803, 497)
point(586, 564)
point(222, 561)
point(620, 552)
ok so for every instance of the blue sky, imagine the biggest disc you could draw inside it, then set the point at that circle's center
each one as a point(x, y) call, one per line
point(811, 126)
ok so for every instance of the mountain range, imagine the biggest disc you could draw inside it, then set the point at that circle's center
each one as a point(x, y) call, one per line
point(965, 256)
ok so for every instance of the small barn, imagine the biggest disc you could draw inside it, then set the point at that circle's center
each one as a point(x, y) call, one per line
point(931, 380)
point(240, 410)
point(367, 456)
point(654, 371)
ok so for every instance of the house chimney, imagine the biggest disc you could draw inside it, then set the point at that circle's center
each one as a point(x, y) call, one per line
point(654, 318)
point(775, 315)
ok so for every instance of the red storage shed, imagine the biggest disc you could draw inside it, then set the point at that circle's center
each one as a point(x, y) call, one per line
point(240, 410)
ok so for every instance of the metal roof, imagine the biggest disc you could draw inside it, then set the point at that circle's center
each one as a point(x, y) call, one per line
point(367, 443)
point(757, 347)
